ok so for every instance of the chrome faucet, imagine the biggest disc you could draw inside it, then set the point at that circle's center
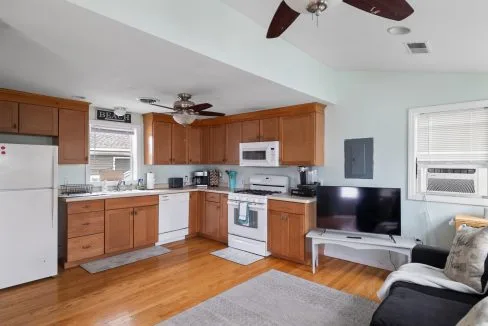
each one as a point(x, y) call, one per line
point(119, 185)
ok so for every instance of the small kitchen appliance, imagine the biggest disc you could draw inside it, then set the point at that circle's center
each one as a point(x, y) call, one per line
point(308, 182)
point(248, 213)
point(200, 179)
point(214, 178)
point(232, 179)
point(263, 154)
point(150, 180)
point(175, 183)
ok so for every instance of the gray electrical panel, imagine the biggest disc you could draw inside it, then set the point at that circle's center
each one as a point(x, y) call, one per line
point(358, 158)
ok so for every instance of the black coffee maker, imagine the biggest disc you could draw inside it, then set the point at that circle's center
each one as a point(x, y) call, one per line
point(308, 184)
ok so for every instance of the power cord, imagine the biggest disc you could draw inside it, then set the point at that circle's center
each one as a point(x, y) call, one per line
point(391, 261)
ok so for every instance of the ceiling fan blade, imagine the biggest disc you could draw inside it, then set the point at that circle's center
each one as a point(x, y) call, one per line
point(211, 114)
point(282, 19)
point(162, 106)
point(391, 9)
point(200, 107)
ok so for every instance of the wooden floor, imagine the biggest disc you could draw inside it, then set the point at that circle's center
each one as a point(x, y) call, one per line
point(155, 289)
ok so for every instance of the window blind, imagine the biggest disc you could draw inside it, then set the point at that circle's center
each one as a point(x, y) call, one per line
point(452, 136)
point(111, 154)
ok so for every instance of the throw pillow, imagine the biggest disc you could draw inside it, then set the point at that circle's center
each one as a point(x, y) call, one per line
point(477, 316)
point(467, 262)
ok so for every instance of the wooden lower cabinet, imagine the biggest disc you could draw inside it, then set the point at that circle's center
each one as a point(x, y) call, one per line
point(194, 213)
point(85, 247)
point(146, 226)
point(213, 219)
point(287, 229)
point(100, 228)
point(119, 229)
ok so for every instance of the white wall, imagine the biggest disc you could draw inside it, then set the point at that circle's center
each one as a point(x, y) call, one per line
point(375, 105)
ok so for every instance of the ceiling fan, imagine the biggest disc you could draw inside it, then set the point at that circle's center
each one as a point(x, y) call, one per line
point(186, 111)
point(289, 10)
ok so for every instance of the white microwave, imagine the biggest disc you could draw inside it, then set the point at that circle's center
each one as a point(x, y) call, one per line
point(259, 154)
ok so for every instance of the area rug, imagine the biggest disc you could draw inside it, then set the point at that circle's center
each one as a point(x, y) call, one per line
point(276, 298)
point(104, 264)
point(237, 256)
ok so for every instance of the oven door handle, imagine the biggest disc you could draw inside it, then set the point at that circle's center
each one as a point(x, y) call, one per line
point(251, 205)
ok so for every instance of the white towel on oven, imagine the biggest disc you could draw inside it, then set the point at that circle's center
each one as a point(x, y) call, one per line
point(243, 211)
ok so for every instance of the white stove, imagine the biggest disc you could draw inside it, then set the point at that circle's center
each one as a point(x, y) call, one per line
point(249, 232)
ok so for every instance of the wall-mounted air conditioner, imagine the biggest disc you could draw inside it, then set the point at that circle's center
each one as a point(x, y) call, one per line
point(462, 180)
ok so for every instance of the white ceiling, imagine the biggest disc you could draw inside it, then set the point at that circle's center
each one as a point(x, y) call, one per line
point(350, 39)
point(56, 48)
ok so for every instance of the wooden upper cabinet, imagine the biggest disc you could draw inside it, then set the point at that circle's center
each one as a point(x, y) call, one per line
point(9, 117)
point(233, 139)
point(194, 141)
point(250, 131)
point(269, 129)
point(73, 137)
point(146, 226)
point(119, 229)
point(38, 120)
point(178, 144)
point(217, 144)
point(205, 145)
point(302, 139)
point(162, 142)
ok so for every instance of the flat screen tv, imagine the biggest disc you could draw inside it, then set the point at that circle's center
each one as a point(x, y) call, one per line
point(359, 209)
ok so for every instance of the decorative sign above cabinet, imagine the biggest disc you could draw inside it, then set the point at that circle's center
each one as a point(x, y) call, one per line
point(108, 115)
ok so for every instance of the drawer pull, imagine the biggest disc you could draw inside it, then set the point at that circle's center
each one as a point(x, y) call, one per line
point(86, 247)
point(86, 224)
point(86, 206)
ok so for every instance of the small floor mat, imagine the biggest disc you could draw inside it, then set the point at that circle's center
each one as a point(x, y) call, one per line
point(104, 264)
point(237, 256)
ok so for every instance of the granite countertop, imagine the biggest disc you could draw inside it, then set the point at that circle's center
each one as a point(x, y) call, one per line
point(163, 191)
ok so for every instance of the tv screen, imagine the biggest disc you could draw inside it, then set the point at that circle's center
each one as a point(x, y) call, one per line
point(358, 209)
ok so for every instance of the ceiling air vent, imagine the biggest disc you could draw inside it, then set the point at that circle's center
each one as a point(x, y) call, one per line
point(417, 47)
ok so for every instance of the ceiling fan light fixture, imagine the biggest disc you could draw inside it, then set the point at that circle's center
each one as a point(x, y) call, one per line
point(184, 119)
point(398, 30)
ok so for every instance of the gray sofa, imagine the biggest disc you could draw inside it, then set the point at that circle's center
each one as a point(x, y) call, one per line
point(412, 304)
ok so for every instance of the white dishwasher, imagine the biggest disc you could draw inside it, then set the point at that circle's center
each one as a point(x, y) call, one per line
point(173, 217)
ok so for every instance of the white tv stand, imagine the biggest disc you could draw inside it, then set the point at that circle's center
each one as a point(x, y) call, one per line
point(359, 241)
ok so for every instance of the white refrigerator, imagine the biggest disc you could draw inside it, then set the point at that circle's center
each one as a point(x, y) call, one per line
point(28, 213)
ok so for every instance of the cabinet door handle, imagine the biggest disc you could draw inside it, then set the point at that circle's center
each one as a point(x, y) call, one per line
point(86, 247)
point(14, 126)
point(135, 212)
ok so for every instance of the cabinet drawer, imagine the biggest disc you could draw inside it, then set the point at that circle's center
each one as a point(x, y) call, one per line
point(86, 247)
point(211, 196)
point(130, 202)
point(286, 207)
point(86, 224)
point(85, 206)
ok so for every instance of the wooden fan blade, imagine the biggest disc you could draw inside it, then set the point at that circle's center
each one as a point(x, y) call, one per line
point(391, 9)
point(282, 19)
point(162, 106)
point(211, 114)
point(200, 107)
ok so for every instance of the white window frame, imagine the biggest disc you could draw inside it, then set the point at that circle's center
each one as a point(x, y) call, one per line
point(411, 172)
point(137, 152)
